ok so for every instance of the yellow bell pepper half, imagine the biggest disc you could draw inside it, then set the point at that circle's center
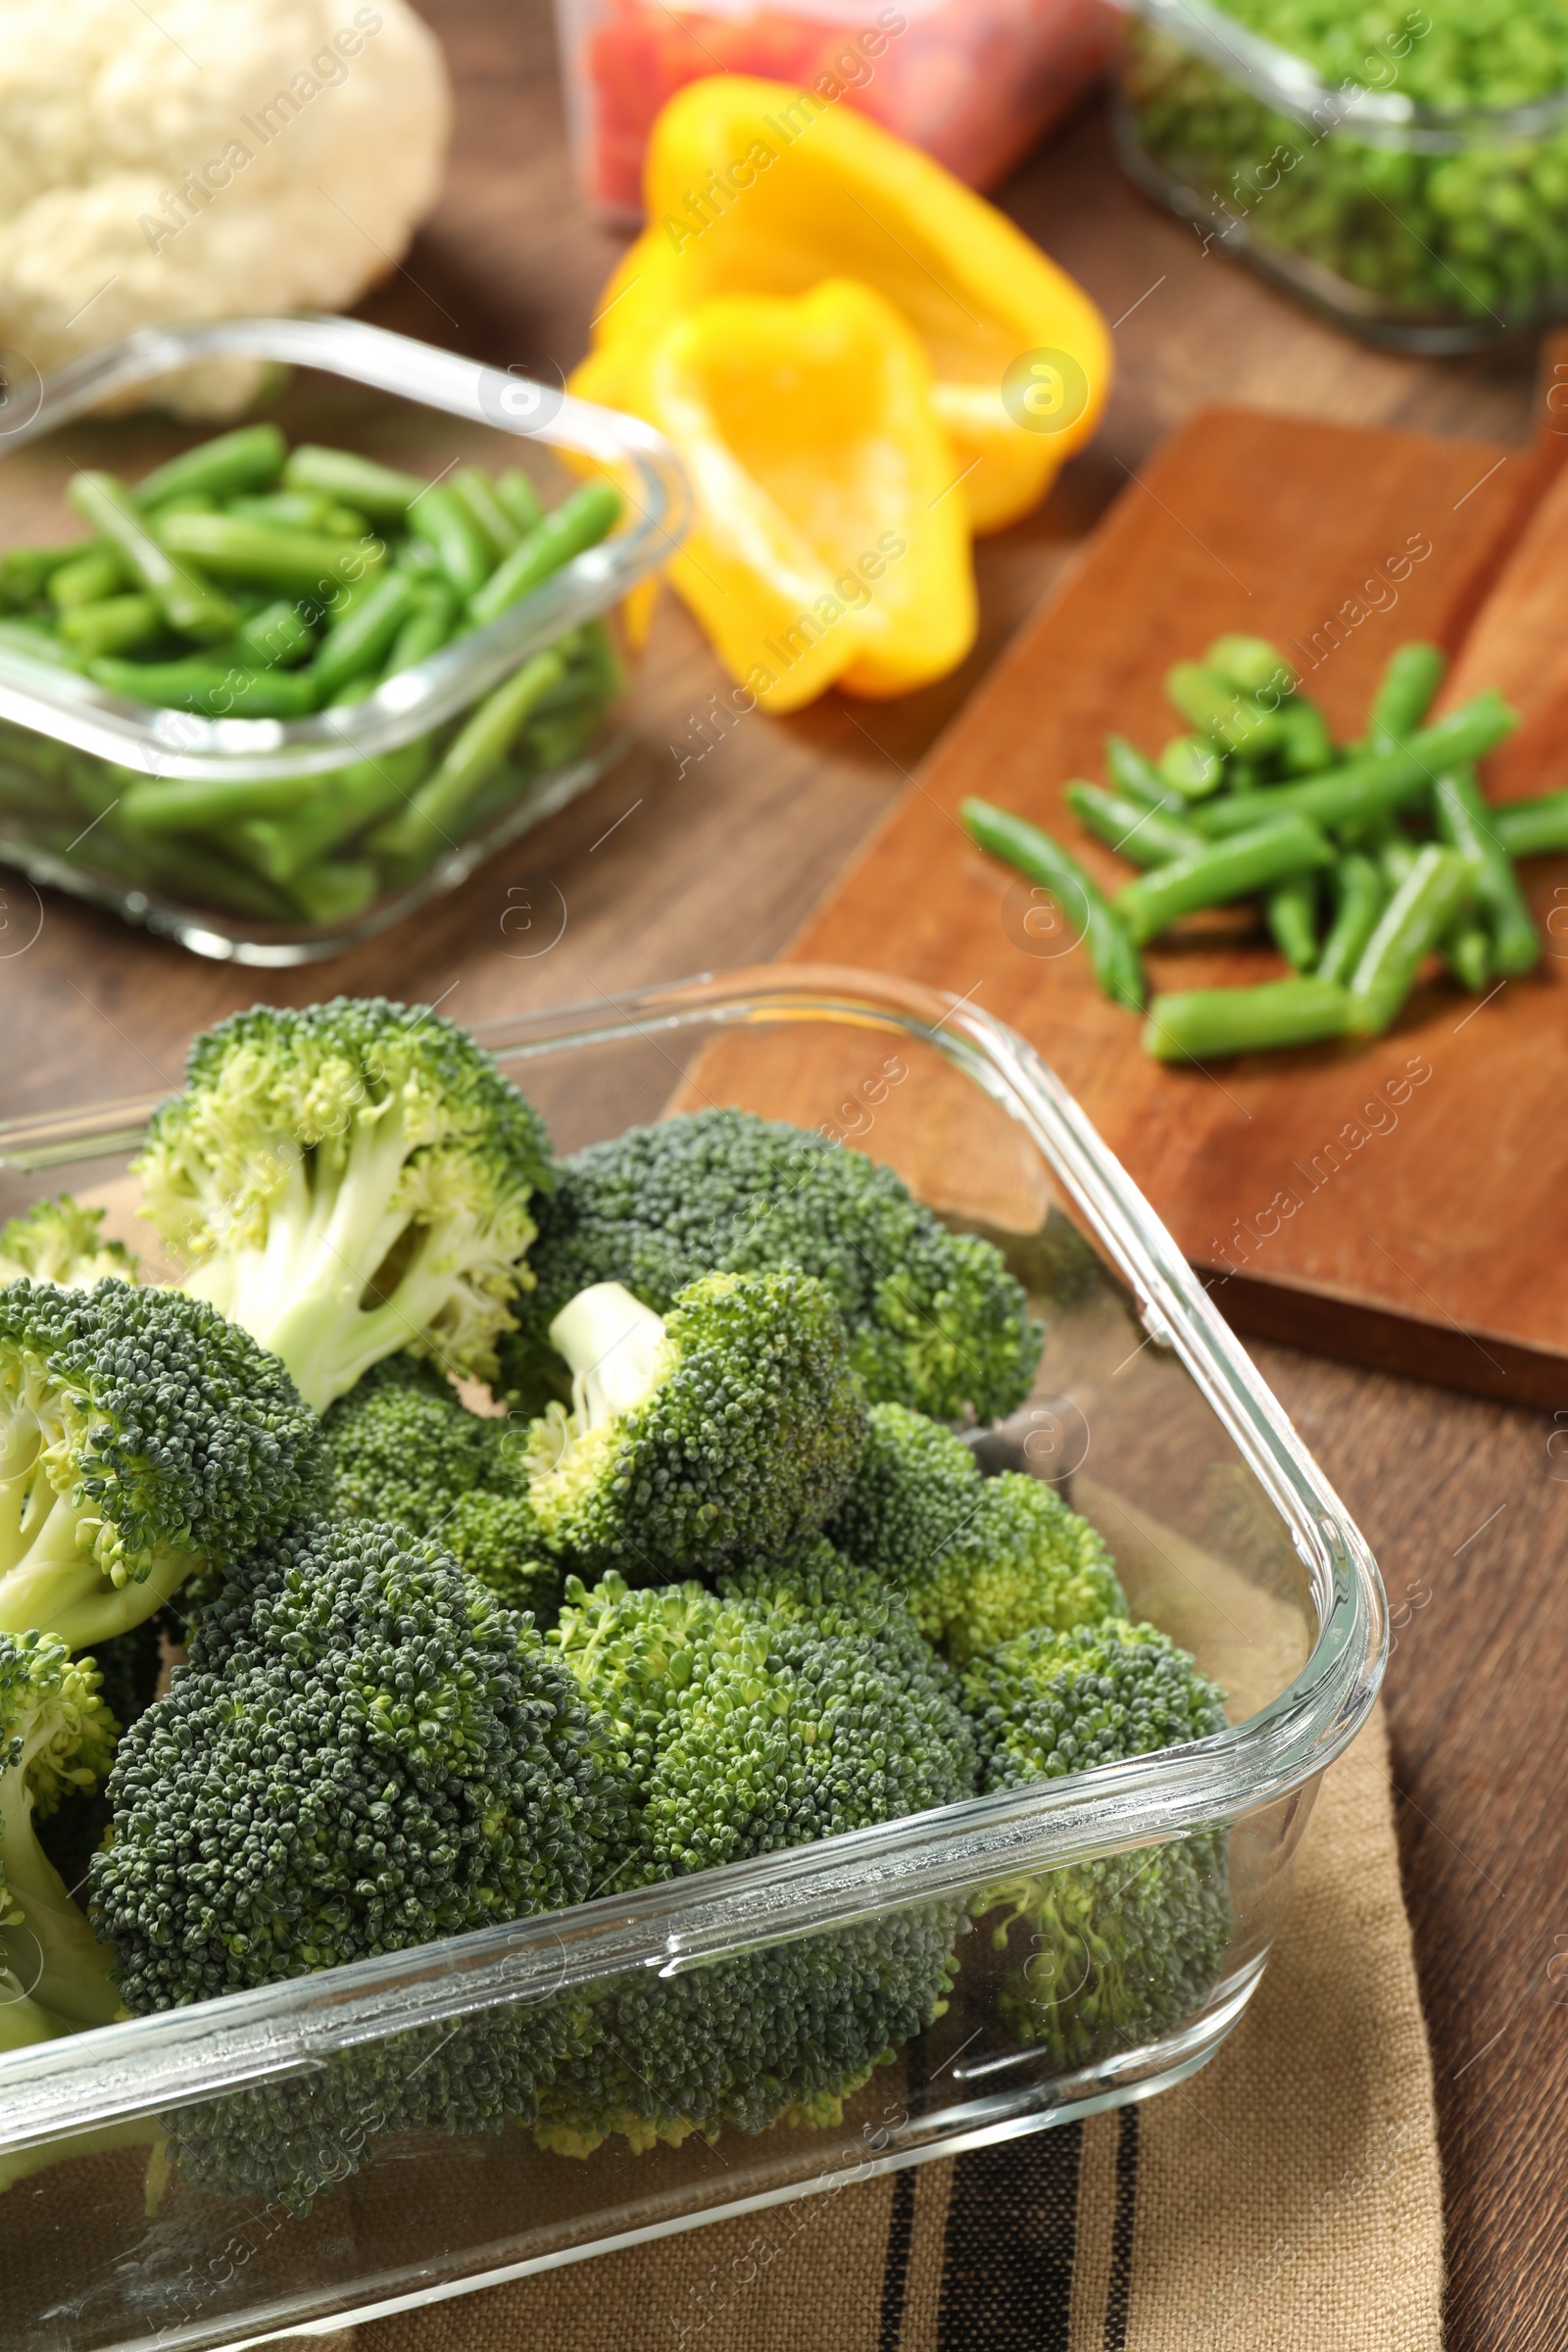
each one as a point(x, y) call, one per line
point(830, 545)
point(756, 188)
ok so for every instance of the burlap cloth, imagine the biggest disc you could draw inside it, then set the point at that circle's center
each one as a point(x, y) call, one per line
point(1286, 2199)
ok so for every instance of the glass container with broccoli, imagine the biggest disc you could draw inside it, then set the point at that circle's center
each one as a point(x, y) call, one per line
point(575, 1657)
point(1405, 168)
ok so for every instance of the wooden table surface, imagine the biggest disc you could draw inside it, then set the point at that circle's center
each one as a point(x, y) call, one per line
point(1465, 1504)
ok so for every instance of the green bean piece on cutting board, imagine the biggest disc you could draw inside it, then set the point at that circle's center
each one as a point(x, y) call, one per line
point(1209, 1024)
point(1220, 871)
point(1465, 823)
point(1143, 835)
point(1436, 888)
point(1043, 860)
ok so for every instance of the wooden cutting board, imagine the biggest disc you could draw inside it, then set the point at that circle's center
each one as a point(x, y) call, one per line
point(1400, 1204)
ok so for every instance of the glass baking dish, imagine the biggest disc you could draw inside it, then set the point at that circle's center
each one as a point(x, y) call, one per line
point(1145, 1411)
point(1420, 229)
point(69, 749)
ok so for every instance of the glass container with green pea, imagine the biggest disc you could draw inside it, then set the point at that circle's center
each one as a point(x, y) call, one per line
point(282, 691)
point(1402, 164)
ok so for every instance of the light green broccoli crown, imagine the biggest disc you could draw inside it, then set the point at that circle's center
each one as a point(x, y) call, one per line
point(346, 1178)
point(1047, 1703)
point(979, 1559)
point(748, 1725)
point(731, 1429)
point(58, 1241)
point(933, 1318)
point(1126, 1949)
point(142, 1437)
point(56, 1738)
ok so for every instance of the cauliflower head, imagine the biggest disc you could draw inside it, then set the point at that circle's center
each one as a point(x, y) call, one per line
point(209, 159)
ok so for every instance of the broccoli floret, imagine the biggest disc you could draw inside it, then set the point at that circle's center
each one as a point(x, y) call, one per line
point(129, 1672)
point(748, 1725)
point(58, 1241)
point(405, 1449)
point(729, 1428)
point(56, 1737)
point(980, 1559)
point(1125, 1949)
point(367, 1751)
point(935, 1320)
point(142, 1439)
point(347, 1179)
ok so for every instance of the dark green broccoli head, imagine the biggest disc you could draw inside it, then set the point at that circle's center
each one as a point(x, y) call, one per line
point(56, 1741)
point(143, 1437)
point(729, 1428)
point(367, 1751)
point(979, 1559)
point(347, 1179)
point(1126, 1949)
point(58, 1241)
point(746, 1726)
point(405, 1449)
point(933, 1318)
point(291, 2140)
point(783, 2034)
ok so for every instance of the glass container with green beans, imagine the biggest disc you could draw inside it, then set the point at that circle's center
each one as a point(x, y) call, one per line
point(1403, 165)
point(282, 690)
point(1371, 864)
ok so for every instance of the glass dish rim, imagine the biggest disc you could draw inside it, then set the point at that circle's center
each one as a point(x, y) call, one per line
point(1381, 117)
point(157, 2061)
point(73, 710)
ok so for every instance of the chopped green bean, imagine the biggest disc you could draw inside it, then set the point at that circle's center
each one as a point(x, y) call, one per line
point(359, 644)
point(299, 562)
point(1238, 721)
point(292, 510)
point(343, 804)
point(478, 492)
point(1465, 824)
point(209, 690)
point(426, 629)
point(439, 809)
point(1466, 950)
point(1533, 828)
point(1251, 664)
point(275, 636)
point(1220, 871)
point(519, 497)
point(1208, 1024)
point(1144, 836)
point(1307, 747)
point(205, 804)
point(379, 491)
point(248, 459)
point(188, 602)
point(1138, 778)
point(1192, 766)
point(1405, 696)
point(111, 626)
point(580, 522)
point(1438, 885)
point(1111, 953)
point(1291, 907)
point(1366, 786)
point(337, 891)
point(98, 572)
point(24, 571)
point(441, 518)
point(1360, 897)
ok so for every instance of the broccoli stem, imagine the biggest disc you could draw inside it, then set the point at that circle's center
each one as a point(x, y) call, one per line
point(342, 1219)
point(614, 1346)
point(51, 1947)
point(47, 1578)
point(22, 2022)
